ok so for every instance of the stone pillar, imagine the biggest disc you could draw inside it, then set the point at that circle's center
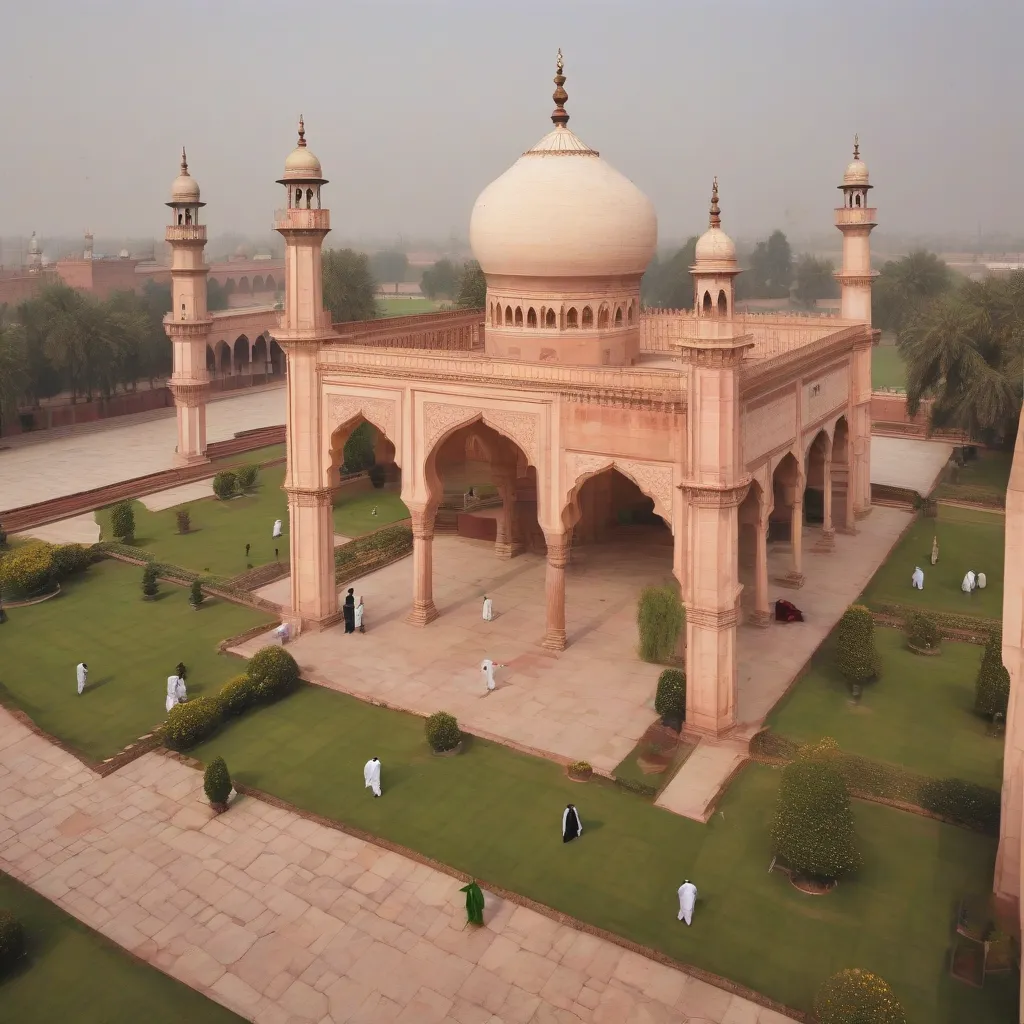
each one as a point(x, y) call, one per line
point(554, 590)
point(828, 533)
point(508, 542)
point(795, 576)
point(423, 610)
point(761, 616)
point(860, 426)
point(311, 553)
point(190, 403)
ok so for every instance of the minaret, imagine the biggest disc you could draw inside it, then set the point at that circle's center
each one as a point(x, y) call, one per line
point(35, 255)
point(188, 323)
point(87, 251)
point(304, 325)
point(855, 219)
point(715, 487)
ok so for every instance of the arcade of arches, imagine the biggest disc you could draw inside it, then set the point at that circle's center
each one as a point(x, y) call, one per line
point(244, 357)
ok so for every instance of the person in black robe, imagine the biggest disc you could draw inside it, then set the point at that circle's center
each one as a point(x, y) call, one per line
point(572, 827)
point(349, 611)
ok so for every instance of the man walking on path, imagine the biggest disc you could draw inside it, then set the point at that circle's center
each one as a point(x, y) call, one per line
point(82, 672)
point(371, 775)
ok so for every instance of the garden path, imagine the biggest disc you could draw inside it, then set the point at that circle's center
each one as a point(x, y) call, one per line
point(287, 921)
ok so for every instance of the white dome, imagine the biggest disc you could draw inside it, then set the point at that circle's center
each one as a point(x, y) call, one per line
point(301, 164)
point(184, 188)
point(561, 211)
point(714, 246)
point(856, 173)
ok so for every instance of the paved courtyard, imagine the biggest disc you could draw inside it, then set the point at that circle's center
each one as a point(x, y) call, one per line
point(908, 462)
point(286, 921)
point(37, 468)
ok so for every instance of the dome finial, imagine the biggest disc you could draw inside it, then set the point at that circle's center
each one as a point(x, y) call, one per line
point(856, 147)
point(558, 115)
point(716, 220)
point(184, 161)
point(302, 131)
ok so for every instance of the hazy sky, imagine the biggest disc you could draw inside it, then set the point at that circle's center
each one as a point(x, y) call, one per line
point(414, 107)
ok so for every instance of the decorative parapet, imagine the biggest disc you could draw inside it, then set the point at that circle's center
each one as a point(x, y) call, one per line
point(186, 233)
point(856, 215)
point(182, 330)
point(302, 220)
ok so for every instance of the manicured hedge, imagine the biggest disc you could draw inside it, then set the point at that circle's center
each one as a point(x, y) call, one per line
point(443, 732)
point(217, 781)
point(659, 618)
point(27, 570)
point(923, 632)
point(273, 672)
point(992, 687)
point(857, 997)
point(12, 941)
point(382, 546)
point(857, 658)
point(670, 698)
point(192, 722)
point(978, 628)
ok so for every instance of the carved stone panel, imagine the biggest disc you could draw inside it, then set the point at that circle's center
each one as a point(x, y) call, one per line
point(379, 411)
point(768, 427)
point(653, 478)
point(521, 427)
point(824, 395)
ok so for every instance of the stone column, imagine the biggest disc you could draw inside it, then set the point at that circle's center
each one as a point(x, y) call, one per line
point(190, 404)
point(761, 615)
point(795, 576)
point(860, 426)
point(554, 590)
point(311, 552)
point(423, 610)
point(828, 533)
point(508, 542)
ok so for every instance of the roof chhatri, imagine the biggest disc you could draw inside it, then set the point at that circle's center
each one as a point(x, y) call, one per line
point(302, 167)
point(560, 96)
point(184, 188)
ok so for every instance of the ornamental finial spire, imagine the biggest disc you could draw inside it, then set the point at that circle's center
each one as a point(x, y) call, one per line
point(302, 131)
point(558, 115)
point(184, 161)
point(856, 147)
point(716, 220)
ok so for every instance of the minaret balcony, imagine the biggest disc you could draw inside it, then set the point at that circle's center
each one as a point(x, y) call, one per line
point(855, 215)
point(302, 220)
point(186, 330)
point(186, 233)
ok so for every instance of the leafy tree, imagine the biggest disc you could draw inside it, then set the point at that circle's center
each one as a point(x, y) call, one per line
point(358, 453)
point(992, 688)
point(389, 266)
point(770, 273)
point(854, 996)
point(440, 281)
point(472, 292)
point(966, 350)
point(14, 367)
point(150, 585)
point(667, 284)
point(217, 783)
point(122, 521)
point(814, 281)
point(905, 284)
point(349, 291)
point(216, 296)
point(857, 657)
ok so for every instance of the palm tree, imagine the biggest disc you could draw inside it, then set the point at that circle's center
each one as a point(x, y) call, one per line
point(904, 285)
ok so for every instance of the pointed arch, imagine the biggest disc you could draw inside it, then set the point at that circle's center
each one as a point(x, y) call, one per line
point(602, 316)
point(723, 303)
point(257, 283)
point(550, 319)
point(531, 317)
point(587, 319)
point(632, 311)
point(508, 316)
point(270, 284)
point(519, 316)
point(618, 316)
point(706, 304)
point(571, 318)
point(653, 479)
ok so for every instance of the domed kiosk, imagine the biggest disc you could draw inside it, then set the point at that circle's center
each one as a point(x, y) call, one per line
point(563, 239)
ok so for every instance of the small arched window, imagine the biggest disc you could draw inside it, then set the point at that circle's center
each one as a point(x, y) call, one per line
point(519, 316)
point(309, 199)
point(723, 304)
point(602, 317)
point(549, 319)
point(531, 317)
point(856, 200)
point(629, 315)
point(181, 219)
point(508, 316)
point(706, 304)
point(572, 317)
point(618, 316)
point(588, 317)
point(188, 216)
point(298, 198)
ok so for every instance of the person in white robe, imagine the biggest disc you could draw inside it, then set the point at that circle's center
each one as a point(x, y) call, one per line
point(277, 528)
point(283, 632)
point(180, 693)
point(82, 674)
point(359, 615)
point(487, 667)
point(488, 609)
point(917, 580)
point(172, 693)
point(982, 581)
point(687, 898)
point(371, 775)
point(969, 580)
point(572, 827)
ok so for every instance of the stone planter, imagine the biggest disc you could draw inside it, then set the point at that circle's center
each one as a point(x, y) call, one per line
point(457, 749)
point(812, 887)
point(219, 808)
point(579, 776)
point(926, 652)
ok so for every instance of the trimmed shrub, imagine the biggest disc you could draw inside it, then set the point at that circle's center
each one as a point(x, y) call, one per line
point(183, 519)
point(966, 803)
point(992, 688)
point(237, 695)
point(443, 732)
point(69, 559)
point(581, 768)
point(856, 655)
point(854, 996)
point(217, 782)
point(26, 571)
point(670, 700)
point(122, 521)
point(377, 475)
point(813, 829)
point(190, 723)
point(195, 594)
point(150, 586)
point(247, 476)
point(274, 673)
point(659, 617)
point(12, 941)
point(225, 483)
point(923, 632)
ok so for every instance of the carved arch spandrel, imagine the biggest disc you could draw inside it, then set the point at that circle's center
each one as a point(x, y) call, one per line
point(654, 479)
point(440, 418)
point(380, 412)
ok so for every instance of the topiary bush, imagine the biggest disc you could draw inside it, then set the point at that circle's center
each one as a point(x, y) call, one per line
point(923, 632)
point(190, 723)
point(217, 784)
point(237, 695)
point(813, 828)
point(443, 732)
point(183, 519)
point(27, 571)
point(992, 688)
point(247, 476)
point(195, 594)
point(274, 673)
point(12, 941)
point(659, 618)
point(854, 996)
point(966, 803)
point(122, 521)
point(377, 476)
point(150, 586)
point(69, 559)
point(857, 657)
point(225, 483)
point(670, 699)
point(581, 769)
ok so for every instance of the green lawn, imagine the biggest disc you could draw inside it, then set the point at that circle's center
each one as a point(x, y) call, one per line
point(397, 306)
point(988, 474)
point(968, 539)
point(919, 714)
point(220, 529)
point(131, 646)
point(495, 813)
point(73, 974)
point(887, 368)
point(272, 451)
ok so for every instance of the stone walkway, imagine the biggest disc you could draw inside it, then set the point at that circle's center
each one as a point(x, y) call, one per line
point(286, 921)
point(118, 449)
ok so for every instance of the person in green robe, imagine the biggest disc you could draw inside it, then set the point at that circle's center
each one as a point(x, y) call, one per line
point(474, 903)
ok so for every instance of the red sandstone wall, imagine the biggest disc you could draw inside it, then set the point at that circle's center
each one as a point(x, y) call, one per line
point(889, 407)
point(20, 288)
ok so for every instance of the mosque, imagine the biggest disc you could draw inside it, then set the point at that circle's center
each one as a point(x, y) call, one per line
point(707, 432)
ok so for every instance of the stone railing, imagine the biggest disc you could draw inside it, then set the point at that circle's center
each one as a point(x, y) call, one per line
point(458, 330)
point(834, 342)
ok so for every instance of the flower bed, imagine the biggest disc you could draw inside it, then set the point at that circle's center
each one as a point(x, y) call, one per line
point(952, 626)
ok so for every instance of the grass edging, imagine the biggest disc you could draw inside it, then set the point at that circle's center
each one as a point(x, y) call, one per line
point(505, 894)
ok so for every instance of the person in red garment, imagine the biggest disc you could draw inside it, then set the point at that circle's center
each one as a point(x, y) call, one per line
point(786, 611)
